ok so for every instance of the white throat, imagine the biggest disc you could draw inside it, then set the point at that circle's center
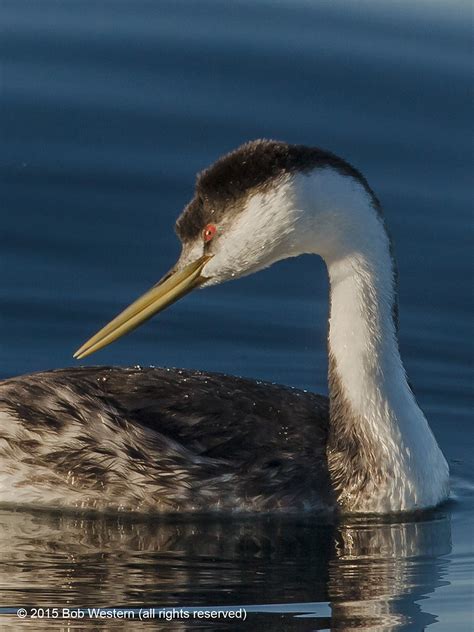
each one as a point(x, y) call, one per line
point(382, 454)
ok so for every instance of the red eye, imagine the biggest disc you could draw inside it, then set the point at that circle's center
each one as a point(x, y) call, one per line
point(209, 232)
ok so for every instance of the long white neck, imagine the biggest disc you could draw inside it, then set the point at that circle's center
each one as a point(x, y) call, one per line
point(382, 454)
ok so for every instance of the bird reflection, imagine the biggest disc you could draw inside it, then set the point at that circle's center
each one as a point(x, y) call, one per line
point(372, 574)
point(380, 571)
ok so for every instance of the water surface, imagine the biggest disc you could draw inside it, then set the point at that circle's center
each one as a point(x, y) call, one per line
point(108, 110)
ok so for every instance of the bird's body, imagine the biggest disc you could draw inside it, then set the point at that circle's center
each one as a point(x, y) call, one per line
point(164, 440)
point(161, 440)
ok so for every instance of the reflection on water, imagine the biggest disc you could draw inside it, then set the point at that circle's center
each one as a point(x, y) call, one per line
point(371, 574)
point(380, 571)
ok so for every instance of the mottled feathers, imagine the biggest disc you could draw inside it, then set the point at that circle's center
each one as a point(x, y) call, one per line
point(161, 440)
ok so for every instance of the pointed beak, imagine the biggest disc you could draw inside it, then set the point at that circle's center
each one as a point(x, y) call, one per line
point(170, 289)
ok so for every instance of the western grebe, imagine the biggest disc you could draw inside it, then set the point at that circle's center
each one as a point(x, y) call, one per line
point(168, 440)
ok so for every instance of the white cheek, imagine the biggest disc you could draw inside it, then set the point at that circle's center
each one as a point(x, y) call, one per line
point(259, 235)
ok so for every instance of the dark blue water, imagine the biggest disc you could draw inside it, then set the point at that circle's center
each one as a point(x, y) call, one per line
point(108, 110)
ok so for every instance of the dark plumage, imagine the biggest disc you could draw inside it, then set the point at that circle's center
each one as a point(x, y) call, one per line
point(163, 440)
point(225, 184)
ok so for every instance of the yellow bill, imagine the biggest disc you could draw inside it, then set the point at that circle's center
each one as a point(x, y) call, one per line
point(172, 288)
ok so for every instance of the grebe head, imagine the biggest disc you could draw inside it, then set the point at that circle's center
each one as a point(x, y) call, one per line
point(243, 214)
point(256, 205)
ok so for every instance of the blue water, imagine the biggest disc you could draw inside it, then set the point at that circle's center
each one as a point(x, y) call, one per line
point(108, 110)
